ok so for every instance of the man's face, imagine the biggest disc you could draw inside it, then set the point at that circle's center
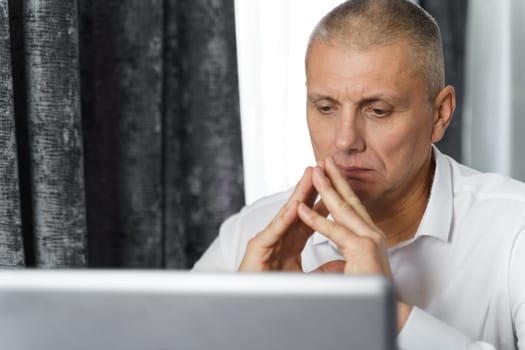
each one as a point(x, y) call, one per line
point(369, 111)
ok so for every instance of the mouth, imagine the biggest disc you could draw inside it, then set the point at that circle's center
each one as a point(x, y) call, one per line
point(355, 173)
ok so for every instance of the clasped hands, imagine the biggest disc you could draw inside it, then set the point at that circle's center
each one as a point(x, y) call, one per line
point(362, 244)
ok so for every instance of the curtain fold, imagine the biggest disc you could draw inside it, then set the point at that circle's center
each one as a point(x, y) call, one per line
point(203, 149)
point(11, 239)
point(45, 83)
point(54, 132)
point(127, 150)
point(122, 75)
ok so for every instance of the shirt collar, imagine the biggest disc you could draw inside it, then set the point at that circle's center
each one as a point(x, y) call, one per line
point(437, 218)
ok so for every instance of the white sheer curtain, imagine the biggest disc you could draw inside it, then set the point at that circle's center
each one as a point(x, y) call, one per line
point(493, 125)
point(271, 42)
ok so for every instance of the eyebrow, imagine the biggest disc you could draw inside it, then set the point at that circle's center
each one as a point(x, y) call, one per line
point(377, 99)
point(315, 98)
point(370, 99)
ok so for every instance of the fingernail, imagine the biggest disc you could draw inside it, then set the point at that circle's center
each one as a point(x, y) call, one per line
point(330, 160)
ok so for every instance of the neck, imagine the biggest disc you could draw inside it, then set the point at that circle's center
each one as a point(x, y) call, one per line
point(400, 218)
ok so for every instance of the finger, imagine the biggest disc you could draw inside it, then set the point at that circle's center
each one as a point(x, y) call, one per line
point(341, 211)
point(287, 218)
point(334, 266)
point(287, 215)
point(304, 193)
point(277, 227)
point(321, 208)
point(304, 190)
point(361, 254)
point(302, 232)
point(261, 248)
point(340, 235)
point(341, 185)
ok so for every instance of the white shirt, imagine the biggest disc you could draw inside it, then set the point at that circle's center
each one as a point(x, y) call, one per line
point(462, 271)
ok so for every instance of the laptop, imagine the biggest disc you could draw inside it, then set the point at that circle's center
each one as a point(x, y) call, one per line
point(161, 310)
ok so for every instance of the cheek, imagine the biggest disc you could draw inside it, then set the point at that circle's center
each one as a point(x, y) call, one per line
point(321, 137)
point(406, 149)
point(391, 144)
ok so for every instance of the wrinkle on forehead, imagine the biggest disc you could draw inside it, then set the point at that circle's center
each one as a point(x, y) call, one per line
point(380, 73)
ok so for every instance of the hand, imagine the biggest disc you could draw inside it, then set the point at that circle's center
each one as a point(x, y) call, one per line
point(279, 245)
point(362, 244)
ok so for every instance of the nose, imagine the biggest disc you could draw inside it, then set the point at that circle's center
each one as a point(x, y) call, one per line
point(349, 135)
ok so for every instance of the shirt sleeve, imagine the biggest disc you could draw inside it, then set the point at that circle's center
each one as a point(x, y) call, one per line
point(220, 255)
point(517, 289)
point(423, 331)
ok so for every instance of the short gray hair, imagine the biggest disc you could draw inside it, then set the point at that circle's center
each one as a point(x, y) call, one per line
point(366, 24)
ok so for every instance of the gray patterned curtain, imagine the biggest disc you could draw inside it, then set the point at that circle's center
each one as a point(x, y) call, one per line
point(451, 16)
point(119, 131)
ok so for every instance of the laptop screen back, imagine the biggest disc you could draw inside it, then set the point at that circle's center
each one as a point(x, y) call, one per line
point(161, 310)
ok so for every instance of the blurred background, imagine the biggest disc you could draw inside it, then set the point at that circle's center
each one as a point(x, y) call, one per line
point(129, 130)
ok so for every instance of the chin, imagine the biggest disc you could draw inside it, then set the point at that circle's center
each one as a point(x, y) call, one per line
point(363, 192)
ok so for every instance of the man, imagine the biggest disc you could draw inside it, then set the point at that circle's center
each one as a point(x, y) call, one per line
point(451, 239)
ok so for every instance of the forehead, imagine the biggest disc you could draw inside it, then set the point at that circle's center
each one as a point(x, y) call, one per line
point(332, 68)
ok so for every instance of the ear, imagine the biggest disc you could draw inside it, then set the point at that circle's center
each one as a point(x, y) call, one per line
point(444, 106)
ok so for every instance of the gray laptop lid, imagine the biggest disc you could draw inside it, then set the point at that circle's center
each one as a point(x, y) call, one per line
point(132, 310)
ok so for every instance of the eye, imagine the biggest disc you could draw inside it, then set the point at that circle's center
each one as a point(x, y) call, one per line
point(376, 112)
point(325, 108)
